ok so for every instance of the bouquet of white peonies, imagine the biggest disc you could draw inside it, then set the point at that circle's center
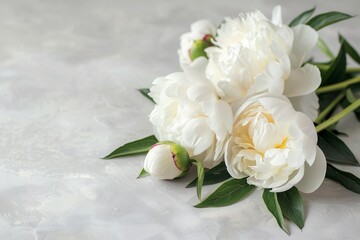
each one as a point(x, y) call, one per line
point(251, 109)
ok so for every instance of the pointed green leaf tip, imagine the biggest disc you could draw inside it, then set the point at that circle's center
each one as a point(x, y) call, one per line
point(348, 180)
point(350, 49)
point(337, 70)
point(143, 173)
point(139, 146)
point(272, 204)
point(324, 48)
point(200, 179)
point(322, 20)
point(302, 18)
point(292, 206)
point(145, 92)
point(335, 149)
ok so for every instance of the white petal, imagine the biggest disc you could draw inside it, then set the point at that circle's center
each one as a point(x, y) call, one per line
point(228, 158)
point(199, 65)
point(157, 89)
point(295, 179)
point(279, 107)
point(265, 136)
point(302, 81)
point(195, 72)
point(277, 157)
point(199, 93)
point(229, 91)
point(306, 126)
point(219, 149)
point(303, 130)
point(220, 117)
point(202, 27)
point(308, 104)
point(197, 135)
point(305, 38)
point(284, 37)
point(271, 79)
point(314, 175)
point(276, 15)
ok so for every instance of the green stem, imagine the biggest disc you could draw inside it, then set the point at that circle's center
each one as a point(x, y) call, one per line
point(352, 70)
point(338, 116)
point(338, 86)
point(330, 107)
point(348, 70)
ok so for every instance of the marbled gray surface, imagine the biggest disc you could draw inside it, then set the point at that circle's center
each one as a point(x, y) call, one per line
point(68, 74)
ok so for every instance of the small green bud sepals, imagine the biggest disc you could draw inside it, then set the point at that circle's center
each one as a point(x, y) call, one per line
point(167, 160)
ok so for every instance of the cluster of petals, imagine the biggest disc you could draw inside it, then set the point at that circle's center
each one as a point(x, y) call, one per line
point(253, 55)
point(274, 146)
point(252, 102)
point(188, 111)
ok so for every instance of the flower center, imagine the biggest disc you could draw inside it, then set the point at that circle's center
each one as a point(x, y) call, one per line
point(259, 141)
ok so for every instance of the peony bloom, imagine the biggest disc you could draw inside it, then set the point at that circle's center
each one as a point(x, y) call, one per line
point(188, 111)
point(167, 160)
point(274, 146)
point(193, 44)
point(254, 55)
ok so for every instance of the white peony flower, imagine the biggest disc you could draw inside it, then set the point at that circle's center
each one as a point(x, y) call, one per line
point(192, 44)
point(274, 146)
point(167, 160)
point(254, 55)
point(188, 111)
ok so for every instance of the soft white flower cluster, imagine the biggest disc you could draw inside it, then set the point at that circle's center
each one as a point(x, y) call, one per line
point(247, 96)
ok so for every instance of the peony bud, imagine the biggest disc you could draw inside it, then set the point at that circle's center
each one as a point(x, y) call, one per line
point(193, 43)
point(167, 160)
point(199, 46)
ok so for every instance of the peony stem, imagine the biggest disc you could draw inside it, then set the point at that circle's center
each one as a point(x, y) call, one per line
point(338, 86)
point(352, 70)
point(330, 107)
point(338, 116)
point(348, 70)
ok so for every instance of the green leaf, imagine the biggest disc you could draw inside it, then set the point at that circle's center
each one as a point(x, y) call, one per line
point(338, 133)
point(350, 96)
point(348, 180)
point(325, 99)
point(302, 18)
point(228, 193)
point(272, 204)
point(292, 206)
point(200, 178)
point(322, 20)
point(350, 50)
point(214, 175)
point(145, 92)
point(324, 48)
point(143, 173)
point(337, 69)
point(335, 149)
point(349, 99)
point(135, 147)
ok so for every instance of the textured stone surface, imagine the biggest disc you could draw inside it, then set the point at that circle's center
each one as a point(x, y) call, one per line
point(68, 77)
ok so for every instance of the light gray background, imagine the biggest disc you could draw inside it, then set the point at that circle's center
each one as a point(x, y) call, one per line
point(68, 74)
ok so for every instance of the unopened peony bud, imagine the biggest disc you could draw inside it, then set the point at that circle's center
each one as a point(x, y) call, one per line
point(193, 43)
point(167, 160)
point(199, 46)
